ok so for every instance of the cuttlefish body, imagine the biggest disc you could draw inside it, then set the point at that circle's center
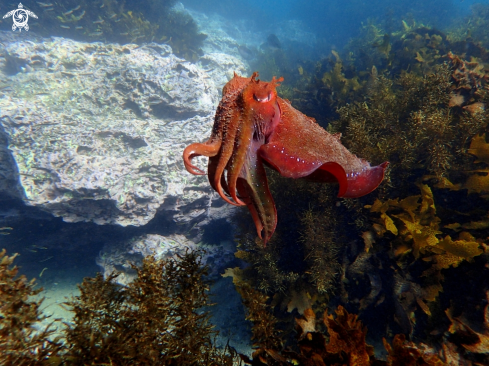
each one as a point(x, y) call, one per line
point(253, 127)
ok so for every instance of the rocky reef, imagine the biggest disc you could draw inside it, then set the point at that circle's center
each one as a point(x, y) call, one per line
point(119, 21)
point(95, 131)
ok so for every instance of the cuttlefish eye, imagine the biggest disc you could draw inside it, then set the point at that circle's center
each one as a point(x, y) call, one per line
point(263, 99)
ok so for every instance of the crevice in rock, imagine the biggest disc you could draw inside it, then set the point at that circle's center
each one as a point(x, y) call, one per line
point(164, 111)
point(133, 106)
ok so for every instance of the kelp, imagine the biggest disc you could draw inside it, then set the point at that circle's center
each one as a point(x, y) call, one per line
point(266, 336)
point(473, 27)
point(158, 319)
point(300, 265)
point(155, 320)
point(410, 123)
point(344, 343)
point(337, 82)
point(311, 260)
point(21, 343)
point(415, 97)
point(418, 229)
point(472, 345)
point(476, 180)
point(418, 232)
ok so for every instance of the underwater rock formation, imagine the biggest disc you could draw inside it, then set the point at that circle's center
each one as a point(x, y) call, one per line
point(94, 131)
point(119, 21)
point(118, 257)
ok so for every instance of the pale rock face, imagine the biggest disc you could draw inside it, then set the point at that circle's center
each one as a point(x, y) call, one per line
point(95, 132)
point(120, 257)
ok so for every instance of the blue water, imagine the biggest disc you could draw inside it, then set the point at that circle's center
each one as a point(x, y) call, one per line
point(336, 21)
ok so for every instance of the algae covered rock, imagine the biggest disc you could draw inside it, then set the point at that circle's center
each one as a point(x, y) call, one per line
point(121, 257)
point(94, 132)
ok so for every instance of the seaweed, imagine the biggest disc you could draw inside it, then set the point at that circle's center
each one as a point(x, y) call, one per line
point(21, 343)
point(322, 251)
point(418, 233)
point(473, 28)
point(299, 268)
point(266, 336)
point(155, 320)
point(417, 98)
point(158, 319)
point(344, 343)
point(411, 123)
point(472, 345)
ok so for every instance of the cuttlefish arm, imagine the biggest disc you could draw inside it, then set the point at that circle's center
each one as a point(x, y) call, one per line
point(209, 149)
point(260, 115)
point(299, 148)
point(253, 189)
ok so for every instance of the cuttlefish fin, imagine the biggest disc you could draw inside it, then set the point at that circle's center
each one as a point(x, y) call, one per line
point(300, 148)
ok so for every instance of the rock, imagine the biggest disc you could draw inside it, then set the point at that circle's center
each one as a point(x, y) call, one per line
point(221, 67)
point(222, 56)
point(120, 257)
point(95, 132)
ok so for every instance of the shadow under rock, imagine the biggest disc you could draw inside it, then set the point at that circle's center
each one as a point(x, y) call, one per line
point(45, 242)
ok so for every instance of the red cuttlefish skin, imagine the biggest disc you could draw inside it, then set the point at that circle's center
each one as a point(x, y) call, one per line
point(253, 127)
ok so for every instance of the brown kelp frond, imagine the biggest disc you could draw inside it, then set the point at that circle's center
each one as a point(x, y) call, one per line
point(403, 352)
point(344, 344)
point(20, 342)
point(266, 337)
point(417, 231)
point(347, 335)
point(155, 320)
point(476, 180)
point(336, 80)
point(467, 339)
point(416, 224)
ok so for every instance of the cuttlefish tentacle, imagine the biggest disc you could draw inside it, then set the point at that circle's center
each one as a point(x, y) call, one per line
point(258, 112)
point(252, 186)
point(211, 172)
point(209, 149)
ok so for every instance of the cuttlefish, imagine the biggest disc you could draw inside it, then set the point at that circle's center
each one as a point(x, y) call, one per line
point(253, 127)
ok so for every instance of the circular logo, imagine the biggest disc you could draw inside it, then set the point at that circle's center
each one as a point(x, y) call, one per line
point(20, 18)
